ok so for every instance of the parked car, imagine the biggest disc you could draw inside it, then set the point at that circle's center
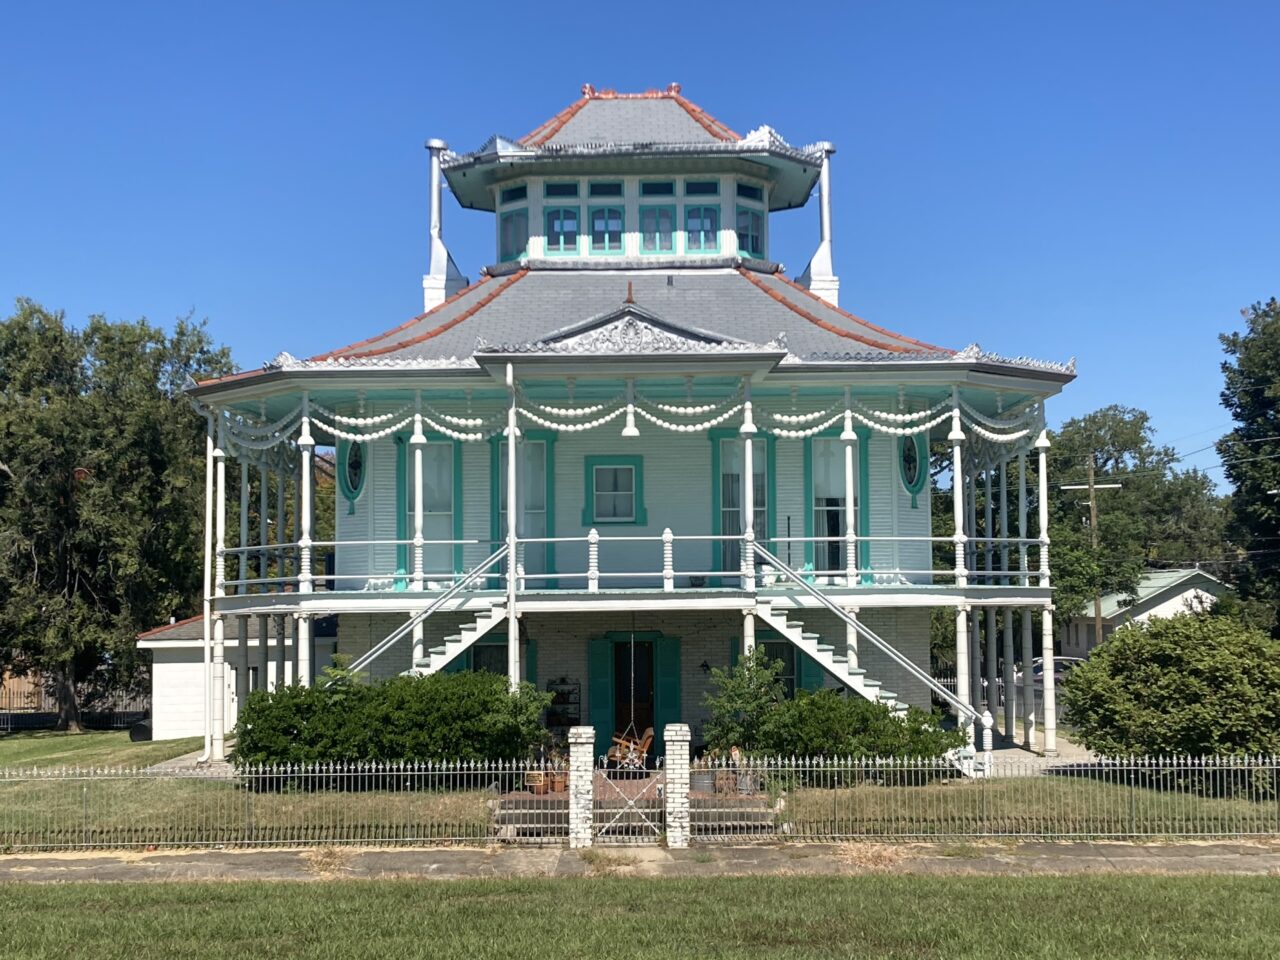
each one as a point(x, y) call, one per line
point(1061, 667)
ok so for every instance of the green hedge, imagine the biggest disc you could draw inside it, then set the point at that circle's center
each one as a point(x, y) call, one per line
point(454, 716)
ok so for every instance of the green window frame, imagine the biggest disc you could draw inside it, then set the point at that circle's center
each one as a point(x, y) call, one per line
point(920, 445)
point(751, 235)
point(657, 188)
point(590, 465)
point(608, 189)
point(514, 194)
point(497, 508)
point(749, 191)
point(716, 435)
point(560, 217)
point(513, 235)
point(702, 188)
point(608, 239)
point(864, 494)
point(651, 233)
point(702, 228)
point(560, 189)
point(404, 502)
point(351, 491)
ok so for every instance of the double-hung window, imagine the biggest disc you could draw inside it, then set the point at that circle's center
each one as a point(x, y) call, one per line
point(513, 235)
point(702, 229)
point(732, 490)
point(562, 230)
point(657, 229)
point(606, 229)
point(828, 504)
point(751, 232)
point(614, 488)
point(437, 505)
point(531, 491)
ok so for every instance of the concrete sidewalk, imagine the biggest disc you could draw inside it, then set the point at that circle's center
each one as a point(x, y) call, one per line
point(454, 863)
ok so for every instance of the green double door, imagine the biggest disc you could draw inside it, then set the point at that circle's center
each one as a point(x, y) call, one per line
point(633, 681)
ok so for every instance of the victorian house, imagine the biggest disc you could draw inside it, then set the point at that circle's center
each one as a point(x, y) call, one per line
point(632, 449)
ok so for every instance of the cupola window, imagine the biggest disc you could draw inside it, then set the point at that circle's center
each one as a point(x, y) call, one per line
point(606, 229)
point(604, 190)
point(564, 189)
point(750, 232)
point(658, 188)
point(513, 234)
point(657, 229)
point(515, 194)
point(702, 229)
point(702, 188)
point(562, 230)
point(747, 192)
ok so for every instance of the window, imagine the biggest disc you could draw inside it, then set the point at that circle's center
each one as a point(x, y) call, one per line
point(702, 188)
point(489, 657)
point(731, 492)
point(702, 229)
point(562, 230)
point(913, 454)
point(561, 189)
point(513, 235)
point(748, 192)
point(657, 229)
point(531, 490)
point(613, 490)
point(351, 472)
point(784, 651)
point(604, 190)
point(658, 188)
point(606, 229)
point(827, 465)
point(514, 194)
point(437, 505)
point(750, 232)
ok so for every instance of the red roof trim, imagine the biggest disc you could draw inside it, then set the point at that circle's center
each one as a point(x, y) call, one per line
point(845, 313)
point(818, 321)
point(346, 351)
point(480, 304)
point(231, 377)
point(545, 131)
point(156, 631)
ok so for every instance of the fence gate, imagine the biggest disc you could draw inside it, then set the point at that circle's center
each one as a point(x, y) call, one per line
point(628, 804)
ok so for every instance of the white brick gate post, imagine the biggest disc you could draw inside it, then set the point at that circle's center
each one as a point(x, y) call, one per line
point(676, 766)
point(582, 761)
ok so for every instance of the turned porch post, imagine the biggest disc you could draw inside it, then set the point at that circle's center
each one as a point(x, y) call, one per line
point(242, 639)
point(956, 437)
point(748, 431)
point(1010, 695)
point(513, 624)
point(1024, 615)
point(989, 558)
point(1048, 702)
point(264, 564)
point(962, 662)
point(217, 693)
point(302, 632)
point(850, 440)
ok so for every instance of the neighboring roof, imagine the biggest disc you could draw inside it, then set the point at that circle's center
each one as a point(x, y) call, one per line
point(1156, 582)
point(189, 629)
point(606, 116)
point(729, 303)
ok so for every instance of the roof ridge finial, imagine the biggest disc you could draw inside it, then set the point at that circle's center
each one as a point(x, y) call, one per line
point(630, 295)
point(673, 88)
point(588, 91)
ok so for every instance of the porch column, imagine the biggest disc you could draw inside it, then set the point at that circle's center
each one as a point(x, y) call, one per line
point(416, 444)
point(851, 638)
point(217, 679)
point(306, 447)
point(747, 431)
point(242, 648)
point(956, 437)
point(303, 650)
point(1010, 695)
point(280, 621)
point(748, 632)
point(1024, 615)
point(206, 598)
point(513, 624)
point(419, 642)
point(989, 558)
point(962, 661)
point(1042, 449)
point(850, 440)
point(264, 560)
point(1048, 702)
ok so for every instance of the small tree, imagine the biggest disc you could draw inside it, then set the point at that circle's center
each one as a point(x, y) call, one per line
point(1189, 684)
point(742, 699)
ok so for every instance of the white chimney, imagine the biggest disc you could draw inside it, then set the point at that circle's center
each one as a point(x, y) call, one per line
point(443, 279)
point(819, 276)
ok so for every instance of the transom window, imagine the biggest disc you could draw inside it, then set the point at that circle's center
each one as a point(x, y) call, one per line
point(701, 188)
point(657, 229)
point(562, 230)
point(560, 189)
point(702, 229)
point(750, 231)
point(606, 230)
point(658, 188)
point(613, 490)
point(604, 190)
point(513, 234)
point(515, 194)
point(748, 192)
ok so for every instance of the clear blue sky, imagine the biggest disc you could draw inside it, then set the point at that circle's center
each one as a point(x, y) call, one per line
point(1076, 179)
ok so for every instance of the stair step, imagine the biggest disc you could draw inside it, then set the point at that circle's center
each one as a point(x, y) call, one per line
point(825, 648)
point(811, 636)
point(794, 624)
point(839, 658)
point(886, 695)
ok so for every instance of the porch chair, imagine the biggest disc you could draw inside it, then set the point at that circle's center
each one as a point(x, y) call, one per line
point(629, 751)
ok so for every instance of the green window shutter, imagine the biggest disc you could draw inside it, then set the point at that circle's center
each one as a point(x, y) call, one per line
point(666, 688)
point(531, 662)
point(809, 673)
point(735, 651)
point(600, 691)
point(459, 663)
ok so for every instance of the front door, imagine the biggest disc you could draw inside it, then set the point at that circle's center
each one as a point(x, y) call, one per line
point(633, 687)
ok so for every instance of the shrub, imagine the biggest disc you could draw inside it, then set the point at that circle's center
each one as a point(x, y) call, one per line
point(455, 716)
point(743, 697)
point(1188, 684)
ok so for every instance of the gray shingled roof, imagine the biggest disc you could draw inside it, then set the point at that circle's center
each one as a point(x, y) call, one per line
point(657, 120)
point(531, 305)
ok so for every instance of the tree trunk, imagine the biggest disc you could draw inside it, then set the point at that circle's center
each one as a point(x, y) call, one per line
point(68, 705)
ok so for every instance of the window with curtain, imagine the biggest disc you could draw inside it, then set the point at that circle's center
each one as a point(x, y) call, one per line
point(702, 229)
point(606, 230)
point(562, 230)
point(829, 503)
point(437, 505)
point(614, 494)
point(731, 496)
point(531, 492)
point(513, 234)
point(750, 232)
point(657, 229)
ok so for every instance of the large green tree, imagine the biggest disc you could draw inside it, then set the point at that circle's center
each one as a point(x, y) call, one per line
point(1251, 451)
point(101, 495)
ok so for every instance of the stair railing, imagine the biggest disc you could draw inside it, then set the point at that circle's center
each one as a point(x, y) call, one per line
point(965, 714)
point(407, 627)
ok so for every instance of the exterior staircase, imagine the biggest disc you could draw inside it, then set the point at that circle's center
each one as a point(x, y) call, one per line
point(455, 645)
point(834, 662)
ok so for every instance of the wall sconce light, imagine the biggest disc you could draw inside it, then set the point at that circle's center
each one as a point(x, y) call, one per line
point(704, 667)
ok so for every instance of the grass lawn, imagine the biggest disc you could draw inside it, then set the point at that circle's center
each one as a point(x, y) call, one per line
point(95, 748)
point(1099, 917)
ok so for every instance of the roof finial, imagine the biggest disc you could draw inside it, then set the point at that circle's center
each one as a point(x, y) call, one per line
point(630, 296)
point(673, 88)
point(588, 90)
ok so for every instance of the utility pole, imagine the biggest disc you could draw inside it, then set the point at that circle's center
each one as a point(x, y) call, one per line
point(1093, 487)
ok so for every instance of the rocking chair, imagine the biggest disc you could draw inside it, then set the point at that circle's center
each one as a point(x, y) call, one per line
point(629, 751)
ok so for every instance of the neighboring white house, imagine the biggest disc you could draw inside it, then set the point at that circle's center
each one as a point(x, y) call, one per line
point(632, 450)
point(1160, 593)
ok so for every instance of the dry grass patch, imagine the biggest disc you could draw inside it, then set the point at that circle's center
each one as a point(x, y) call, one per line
point(870, 856)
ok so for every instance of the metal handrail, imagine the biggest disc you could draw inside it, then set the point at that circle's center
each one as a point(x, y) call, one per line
point(407, 627)
point(964, 712)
